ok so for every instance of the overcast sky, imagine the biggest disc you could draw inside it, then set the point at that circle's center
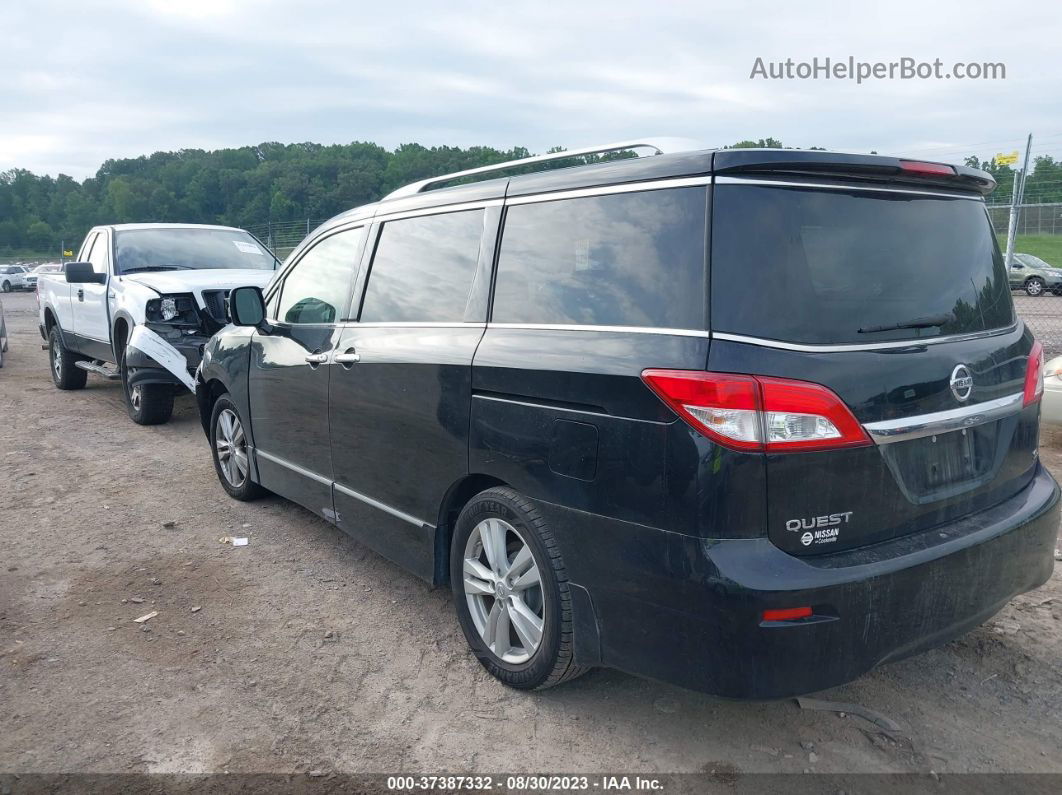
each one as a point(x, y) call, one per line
point(86, 81)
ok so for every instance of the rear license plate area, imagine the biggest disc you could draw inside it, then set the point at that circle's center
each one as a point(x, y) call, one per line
point(939, 463)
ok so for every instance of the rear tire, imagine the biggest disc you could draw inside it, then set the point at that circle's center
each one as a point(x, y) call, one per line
point(147, 404)
point(7, 286)
point(229, 450)
point(65, 374)
point(497, 607)
point(1034, 286)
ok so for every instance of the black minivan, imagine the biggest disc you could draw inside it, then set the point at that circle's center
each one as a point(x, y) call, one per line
point(748, 421)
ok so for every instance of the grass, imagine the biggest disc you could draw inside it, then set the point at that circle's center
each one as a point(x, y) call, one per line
point(1046, 247)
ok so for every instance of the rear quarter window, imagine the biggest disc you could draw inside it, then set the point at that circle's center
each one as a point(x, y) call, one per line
point(627, 259)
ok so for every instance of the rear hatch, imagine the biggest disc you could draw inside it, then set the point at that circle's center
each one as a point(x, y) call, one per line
point(892, 294)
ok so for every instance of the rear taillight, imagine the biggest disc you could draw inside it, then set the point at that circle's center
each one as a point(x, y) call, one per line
point(1034, 375)
point(758, 413)
point(920, 167)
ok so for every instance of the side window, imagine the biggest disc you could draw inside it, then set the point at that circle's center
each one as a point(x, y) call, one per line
point(273, 303)
point(318, 287)
point(424, 268)
point(86, 248)
point(99, 255)
point(628, 259)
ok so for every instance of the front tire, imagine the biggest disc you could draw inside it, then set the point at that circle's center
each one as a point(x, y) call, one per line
point(65, 374)
point(511, 591)
point(147, 404)
point(229, 449)
point(1034, 286)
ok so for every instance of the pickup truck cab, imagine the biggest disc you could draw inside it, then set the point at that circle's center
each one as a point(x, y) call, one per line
point(172, 279)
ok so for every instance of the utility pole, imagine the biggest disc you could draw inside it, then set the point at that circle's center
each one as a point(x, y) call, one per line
point(1015, 203)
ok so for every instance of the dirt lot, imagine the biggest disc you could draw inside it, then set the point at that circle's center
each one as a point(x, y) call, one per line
point(303, 651)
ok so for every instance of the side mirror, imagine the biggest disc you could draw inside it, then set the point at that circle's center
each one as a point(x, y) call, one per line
point(82, 273)
point(246, 307)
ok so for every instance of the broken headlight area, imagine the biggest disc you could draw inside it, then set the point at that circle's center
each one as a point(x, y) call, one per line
point(174, 310)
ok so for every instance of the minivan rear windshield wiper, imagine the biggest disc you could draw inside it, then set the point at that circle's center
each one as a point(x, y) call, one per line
point(918, 322)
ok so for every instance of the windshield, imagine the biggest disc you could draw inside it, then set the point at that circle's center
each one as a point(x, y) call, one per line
point(189, 249)
point(853, 266)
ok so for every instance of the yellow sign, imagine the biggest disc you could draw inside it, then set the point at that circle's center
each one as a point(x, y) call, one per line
point(67, 253)
point(1006, 159)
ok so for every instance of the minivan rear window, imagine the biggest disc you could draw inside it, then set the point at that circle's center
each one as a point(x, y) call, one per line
point(628, 259)
point(848, 266)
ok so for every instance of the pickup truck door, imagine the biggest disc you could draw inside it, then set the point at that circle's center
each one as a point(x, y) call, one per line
point(89, 303)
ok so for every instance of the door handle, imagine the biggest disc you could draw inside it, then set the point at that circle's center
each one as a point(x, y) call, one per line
point(80, 295)
point(315, 359)
point(347, 358)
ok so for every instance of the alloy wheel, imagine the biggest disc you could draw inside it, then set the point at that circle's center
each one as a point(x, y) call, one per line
point(231, 445)
point(57, 360)
point(503, 589)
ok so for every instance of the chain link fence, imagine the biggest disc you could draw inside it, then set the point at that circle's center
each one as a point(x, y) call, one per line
point(1033, 219)
point(281, 237)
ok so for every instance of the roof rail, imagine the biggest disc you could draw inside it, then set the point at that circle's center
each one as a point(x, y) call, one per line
point(661, 145)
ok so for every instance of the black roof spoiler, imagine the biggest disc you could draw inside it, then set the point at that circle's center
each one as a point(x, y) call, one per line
point(877, 168)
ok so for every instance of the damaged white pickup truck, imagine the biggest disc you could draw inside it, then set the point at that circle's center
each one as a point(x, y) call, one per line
point(139, 304)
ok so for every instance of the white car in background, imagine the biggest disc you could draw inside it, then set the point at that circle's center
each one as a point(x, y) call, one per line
point(33, 275)
point(1051, 408)
point(12, 277)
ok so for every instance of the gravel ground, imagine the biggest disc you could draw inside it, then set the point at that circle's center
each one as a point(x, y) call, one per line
point(305, 652)
point(1043, 315)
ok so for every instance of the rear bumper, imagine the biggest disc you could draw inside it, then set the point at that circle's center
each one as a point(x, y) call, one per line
point(687, 610)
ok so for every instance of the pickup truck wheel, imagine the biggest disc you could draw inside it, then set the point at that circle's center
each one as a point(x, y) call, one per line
point(511, 591)
point(7, 286)
point(65, 374)
point(229, 449)
point(147, 404)
point(1034, 286)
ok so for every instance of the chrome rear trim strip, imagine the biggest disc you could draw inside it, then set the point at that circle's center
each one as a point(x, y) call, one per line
point(869, 346)
point(889, 431)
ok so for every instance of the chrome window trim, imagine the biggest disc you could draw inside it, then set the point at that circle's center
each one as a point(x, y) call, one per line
point(922, 425)
point(437, 209)
point(414, 324)
point(834, 186)
point(870, 346)
point(381, 506)
point(293, 467)
point(605, 190)
point(671, 332)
